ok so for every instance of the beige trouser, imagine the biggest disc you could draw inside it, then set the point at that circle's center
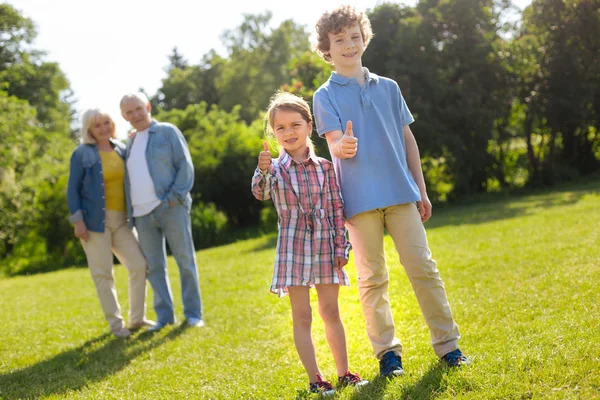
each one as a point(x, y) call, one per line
point(406, 229)
point(120, 239)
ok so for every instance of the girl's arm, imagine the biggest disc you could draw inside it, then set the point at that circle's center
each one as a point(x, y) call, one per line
point(262, 183)
point(335, 208)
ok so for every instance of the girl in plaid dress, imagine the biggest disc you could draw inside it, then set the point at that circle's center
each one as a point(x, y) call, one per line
point(312, 249)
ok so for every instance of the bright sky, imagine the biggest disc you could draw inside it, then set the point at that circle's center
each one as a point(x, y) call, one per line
point(112, 47)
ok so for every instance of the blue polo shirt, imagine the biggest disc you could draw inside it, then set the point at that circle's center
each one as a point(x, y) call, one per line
point(378, 175)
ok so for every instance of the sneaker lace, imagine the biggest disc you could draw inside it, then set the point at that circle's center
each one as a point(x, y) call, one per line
point(455, 356)
point(391, 362)
point(350, 378)
point(323, 384)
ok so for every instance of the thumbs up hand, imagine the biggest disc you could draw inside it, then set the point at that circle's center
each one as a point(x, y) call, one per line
point(348, 144)
point(264, 158)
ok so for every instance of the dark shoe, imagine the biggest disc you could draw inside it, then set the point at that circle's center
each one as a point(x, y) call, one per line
point(351, 379)
point(390, 365)
point(456, 359)
point(321, 386)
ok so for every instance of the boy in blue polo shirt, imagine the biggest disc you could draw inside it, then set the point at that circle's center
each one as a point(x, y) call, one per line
point(366, 123)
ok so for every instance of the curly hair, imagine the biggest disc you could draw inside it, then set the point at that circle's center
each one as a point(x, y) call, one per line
point(335, 21)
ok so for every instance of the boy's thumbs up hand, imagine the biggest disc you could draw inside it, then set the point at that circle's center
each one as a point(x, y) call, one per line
point(348, 144)
point(264, 158)
point(349, 129)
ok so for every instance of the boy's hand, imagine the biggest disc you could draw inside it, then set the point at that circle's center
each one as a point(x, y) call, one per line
point(424, 207)
point(340, 262)
point(348, 144)
point(264, 158)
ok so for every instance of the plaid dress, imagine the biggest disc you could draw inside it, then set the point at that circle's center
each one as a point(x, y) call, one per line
point(311, 222)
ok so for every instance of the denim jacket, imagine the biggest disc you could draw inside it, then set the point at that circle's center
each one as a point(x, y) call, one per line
point(85, 191)
point(169, 163)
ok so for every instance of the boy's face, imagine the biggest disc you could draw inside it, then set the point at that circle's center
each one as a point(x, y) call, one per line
point(346, 47)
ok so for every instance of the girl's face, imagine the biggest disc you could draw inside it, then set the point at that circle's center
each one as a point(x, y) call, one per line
point(291, 131)
point(101, 129)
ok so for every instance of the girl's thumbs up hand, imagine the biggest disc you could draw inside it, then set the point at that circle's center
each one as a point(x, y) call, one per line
point(264, 158)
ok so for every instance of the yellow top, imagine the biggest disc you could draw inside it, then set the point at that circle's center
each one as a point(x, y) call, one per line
point(113, 169)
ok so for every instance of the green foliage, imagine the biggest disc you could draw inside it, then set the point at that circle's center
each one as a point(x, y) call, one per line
point(209, 226)
point(557, 60)
point(257, 62)
point(224, 150)
point(442, 57)
point(189, 84)
point(17, 31)
point(35, 116)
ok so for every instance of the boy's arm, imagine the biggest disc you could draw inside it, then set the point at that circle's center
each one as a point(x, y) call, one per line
point(342, 145)
point(413, 160)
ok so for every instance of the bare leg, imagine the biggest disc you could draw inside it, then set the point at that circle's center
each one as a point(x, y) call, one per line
point(334, 328)
point(302, 317)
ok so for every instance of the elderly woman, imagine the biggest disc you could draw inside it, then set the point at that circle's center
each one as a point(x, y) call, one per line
point(96, 199)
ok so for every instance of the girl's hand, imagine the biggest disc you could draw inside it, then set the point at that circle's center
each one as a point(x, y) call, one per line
point(340, 262)
point(81, 231)
point(264, 158)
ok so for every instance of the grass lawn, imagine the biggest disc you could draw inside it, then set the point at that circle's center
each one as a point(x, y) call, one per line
point(521, 274)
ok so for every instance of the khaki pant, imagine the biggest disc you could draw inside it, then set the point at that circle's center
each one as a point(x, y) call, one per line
point(118, 239)
point(406, 229)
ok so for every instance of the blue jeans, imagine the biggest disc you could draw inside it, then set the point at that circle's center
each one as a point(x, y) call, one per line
point(174, 225)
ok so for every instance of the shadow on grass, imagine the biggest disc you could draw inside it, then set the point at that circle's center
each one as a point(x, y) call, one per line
point(269, 243)
point(74, 369)
point(428, 386)
point(490, 208)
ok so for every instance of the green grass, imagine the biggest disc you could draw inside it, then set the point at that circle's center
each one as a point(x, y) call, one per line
point(521, 274)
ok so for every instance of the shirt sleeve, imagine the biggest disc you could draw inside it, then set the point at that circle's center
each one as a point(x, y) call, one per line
point(184, 176)
point(73, 188)
point(405, 115)
point(326, 118)
point(262, 183)
point(335, 208)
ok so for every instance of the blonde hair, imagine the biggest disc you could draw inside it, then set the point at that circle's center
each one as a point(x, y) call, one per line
point(88, 119)
point(335, 21)
point(285, 101)
point(137, 95)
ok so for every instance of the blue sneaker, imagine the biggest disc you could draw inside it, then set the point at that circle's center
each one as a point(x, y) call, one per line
point(390, 365)
point(456, 358)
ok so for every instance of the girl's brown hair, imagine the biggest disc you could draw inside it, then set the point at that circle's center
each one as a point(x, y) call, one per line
point(285, 101)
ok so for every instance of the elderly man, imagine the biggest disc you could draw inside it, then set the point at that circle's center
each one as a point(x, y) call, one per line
point(160, 176)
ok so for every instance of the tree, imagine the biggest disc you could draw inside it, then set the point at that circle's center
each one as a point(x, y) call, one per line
point(556, 52)
point(257, 64)
point(442, 56)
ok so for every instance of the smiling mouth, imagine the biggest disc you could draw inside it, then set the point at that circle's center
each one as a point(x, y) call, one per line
point(291, 141)
point(351, 54)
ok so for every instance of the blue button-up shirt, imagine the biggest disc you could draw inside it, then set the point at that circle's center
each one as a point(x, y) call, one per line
point(169, 163)
point(85, 190)
point(378, 176)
